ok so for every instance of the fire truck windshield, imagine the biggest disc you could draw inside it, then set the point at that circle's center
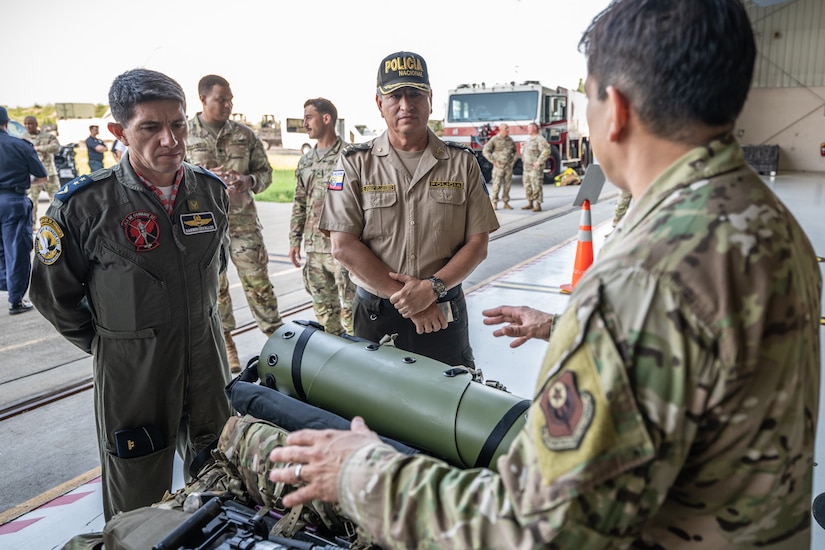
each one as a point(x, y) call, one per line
point(493, 106)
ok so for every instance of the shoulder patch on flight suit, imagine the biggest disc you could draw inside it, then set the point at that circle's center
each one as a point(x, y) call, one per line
point(202, 170)
point(81, 182)
point(353, 147)
point(47, 244)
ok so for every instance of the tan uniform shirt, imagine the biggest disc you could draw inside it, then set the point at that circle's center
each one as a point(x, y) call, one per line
point(413, 223)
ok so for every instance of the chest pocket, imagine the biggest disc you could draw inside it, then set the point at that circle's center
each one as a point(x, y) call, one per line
point(198, 152)
point(449, 209)
point(128, 291)
point(380, 212)
point(237, 151)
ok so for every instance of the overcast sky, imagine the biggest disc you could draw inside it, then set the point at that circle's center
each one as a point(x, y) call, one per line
point(276, 54)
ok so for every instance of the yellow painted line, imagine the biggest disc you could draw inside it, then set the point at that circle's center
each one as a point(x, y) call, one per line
point(48, 496)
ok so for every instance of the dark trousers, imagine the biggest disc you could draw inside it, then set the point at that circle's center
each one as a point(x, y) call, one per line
point(373, 317)
point(15, 244)
point(95, 165)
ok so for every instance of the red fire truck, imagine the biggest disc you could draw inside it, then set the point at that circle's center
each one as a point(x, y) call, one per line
point(474, 112)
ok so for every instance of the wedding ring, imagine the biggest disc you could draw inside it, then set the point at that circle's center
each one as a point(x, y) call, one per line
point(298, 473)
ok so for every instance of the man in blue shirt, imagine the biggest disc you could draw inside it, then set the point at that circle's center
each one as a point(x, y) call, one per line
point(96, 148)
point(18, 162)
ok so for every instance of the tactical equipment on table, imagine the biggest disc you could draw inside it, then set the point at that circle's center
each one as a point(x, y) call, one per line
point(445, 411)
point(322, 381)
point(223, 524)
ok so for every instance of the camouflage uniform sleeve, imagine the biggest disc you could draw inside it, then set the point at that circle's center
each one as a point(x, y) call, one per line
point(259, 167)
point(487, 151)
point(544, 150)
point(52, 145)
point(586, 480)
point(299, 211)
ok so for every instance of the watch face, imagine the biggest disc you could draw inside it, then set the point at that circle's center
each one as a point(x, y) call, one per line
point(438, 286)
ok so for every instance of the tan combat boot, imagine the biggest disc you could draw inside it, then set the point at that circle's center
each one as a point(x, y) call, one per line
point(495, 204)
point(537, 208)
point(232, 353)
point(507, 206)
point(529, 206)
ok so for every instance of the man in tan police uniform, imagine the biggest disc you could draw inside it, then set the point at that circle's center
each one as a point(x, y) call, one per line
point(410, 217)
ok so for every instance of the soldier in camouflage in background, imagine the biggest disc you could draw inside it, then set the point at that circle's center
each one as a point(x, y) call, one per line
point(677, 403)
point(46, 146)
point(325, 279)
point(534, 153)
point(501, 152)
point(235, 154)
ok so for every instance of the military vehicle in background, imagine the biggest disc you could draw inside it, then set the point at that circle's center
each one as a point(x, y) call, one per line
point(270, 131)
point(474, 112)
point(74, 119)
point(290, 134)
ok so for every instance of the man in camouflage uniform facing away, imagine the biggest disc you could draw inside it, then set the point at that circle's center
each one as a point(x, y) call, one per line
point(501, 152)
point(235, 154)
point(534, 153)
point(676, 406)
point(46, 146)
point(325, 279)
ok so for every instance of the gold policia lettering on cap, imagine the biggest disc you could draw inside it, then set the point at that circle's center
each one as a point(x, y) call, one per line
point(404, 64)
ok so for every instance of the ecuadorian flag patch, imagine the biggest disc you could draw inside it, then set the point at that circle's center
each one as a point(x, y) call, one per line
point(336, 180)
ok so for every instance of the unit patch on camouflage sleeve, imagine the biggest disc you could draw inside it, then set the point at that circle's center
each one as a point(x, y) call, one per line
point(47, 245)
point(568, 413)
point(570, 420)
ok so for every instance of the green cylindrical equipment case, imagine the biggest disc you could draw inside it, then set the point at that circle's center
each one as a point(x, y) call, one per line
point(414, 399)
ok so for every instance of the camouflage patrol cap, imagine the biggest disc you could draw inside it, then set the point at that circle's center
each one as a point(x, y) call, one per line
point(4, 115)
point(402, 69)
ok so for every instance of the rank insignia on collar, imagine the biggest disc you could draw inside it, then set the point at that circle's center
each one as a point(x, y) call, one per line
point(199, 222)
point(568, 413)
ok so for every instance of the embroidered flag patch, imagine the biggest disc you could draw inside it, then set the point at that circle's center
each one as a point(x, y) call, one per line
point(336, 180)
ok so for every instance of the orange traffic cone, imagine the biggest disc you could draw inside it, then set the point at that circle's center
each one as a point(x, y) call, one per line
point(584, 249)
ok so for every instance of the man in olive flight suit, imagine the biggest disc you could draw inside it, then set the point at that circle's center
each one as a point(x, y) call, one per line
point(127, 270)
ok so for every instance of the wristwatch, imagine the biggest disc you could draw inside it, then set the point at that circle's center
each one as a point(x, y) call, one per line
point(439, 287)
